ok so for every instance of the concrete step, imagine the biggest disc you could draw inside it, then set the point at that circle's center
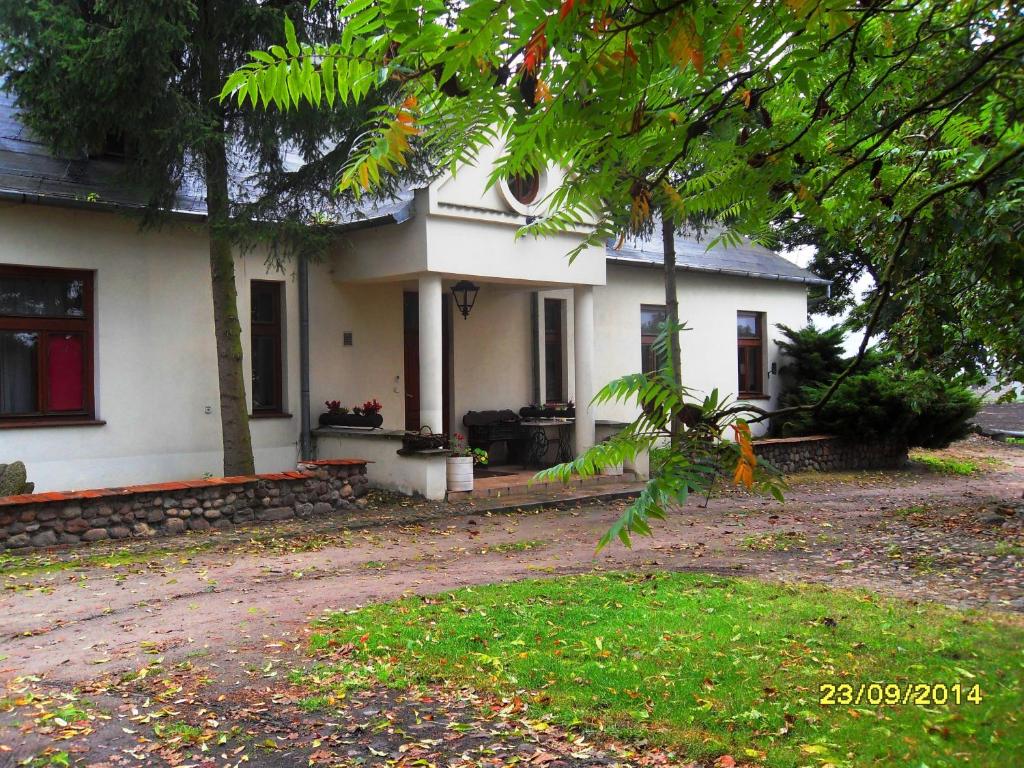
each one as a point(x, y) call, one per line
point(519, 485)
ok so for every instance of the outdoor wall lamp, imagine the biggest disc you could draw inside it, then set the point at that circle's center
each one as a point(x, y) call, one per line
point(465, 296)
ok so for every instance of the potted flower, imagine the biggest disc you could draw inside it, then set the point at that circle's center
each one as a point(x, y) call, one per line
point(365, 415)
point(548, 410)
point(461, 459)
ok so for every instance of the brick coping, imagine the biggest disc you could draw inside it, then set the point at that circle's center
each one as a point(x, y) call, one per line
point(176, 485)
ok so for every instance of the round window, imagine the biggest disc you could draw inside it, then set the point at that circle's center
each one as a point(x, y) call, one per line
point(525, 188)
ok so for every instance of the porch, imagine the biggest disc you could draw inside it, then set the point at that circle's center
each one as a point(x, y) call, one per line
point(428, 361)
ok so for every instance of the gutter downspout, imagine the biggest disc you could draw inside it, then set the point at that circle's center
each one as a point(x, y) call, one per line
point(305, 438)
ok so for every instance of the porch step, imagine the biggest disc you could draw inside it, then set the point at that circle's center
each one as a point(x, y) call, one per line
point(518, 485)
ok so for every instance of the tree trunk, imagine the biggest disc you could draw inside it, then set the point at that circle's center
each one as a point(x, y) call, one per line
point(234, 411)
point(668, 241)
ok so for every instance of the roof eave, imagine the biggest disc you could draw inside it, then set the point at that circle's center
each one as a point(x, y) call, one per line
point(724, 271)
point(403, 213)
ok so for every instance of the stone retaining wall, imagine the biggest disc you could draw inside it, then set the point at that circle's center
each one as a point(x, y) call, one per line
point(829, 454)
point(164, 509)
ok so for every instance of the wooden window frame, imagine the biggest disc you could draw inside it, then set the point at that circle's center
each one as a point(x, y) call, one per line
point(275, 331)
point(559, 364)
point(525, 189)
point(647, 339)
point(753, 350)
point(45, 327)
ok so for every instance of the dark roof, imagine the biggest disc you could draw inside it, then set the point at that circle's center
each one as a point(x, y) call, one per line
point(746, 260)
point(29, 171)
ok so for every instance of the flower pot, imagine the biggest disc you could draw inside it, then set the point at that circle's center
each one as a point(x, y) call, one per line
point(331, 419)
point(460, 473)
point(533, 412)
point(613, 471)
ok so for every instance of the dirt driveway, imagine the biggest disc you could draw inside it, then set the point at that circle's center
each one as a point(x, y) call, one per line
point(915, 534)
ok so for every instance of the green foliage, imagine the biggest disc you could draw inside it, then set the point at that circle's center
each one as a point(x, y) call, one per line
point(706, 666)
point(91, 75)
point(881, 401)
point(686, 437)
point(12, 479)
point(812, 356)
point(917, 408)
point(890, 131)
point(946, 465)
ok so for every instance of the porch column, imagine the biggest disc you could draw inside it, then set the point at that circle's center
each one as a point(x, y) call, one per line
point(583, 347)
point(431, 347)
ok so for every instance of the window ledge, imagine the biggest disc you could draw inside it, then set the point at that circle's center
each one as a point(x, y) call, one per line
point(753, 396)
point(270, 415)
point(37, 423)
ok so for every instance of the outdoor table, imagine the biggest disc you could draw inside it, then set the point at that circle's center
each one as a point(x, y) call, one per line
point(537, 442)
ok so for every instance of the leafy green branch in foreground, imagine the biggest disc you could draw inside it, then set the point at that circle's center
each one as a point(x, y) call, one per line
point(697, 453)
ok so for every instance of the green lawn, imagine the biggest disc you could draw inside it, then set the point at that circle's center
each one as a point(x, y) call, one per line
point(711, 666)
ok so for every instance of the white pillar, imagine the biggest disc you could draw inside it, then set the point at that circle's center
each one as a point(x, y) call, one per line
point(583, 349)
point(431, 344)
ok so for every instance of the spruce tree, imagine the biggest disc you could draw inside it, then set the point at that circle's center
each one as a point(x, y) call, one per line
point(147, 76)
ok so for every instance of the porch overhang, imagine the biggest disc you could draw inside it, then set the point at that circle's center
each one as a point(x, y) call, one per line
point(457, 248)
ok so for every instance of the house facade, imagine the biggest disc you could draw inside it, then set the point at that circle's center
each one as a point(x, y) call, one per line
point(108, 371)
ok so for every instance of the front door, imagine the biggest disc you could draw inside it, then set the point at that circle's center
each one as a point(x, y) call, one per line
point(411, 325)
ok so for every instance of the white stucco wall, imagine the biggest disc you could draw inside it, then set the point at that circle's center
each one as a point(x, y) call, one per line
point(373, 367)
point(491, 353)
point(460, 228)
point(155, 356)
point(155, 362)
point(707, 305)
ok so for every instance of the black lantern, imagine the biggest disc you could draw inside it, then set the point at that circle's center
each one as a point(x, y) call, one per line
point(465, 296)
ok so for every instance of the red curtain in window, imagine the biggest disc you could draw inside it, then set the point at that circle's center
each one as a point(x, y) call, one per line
point(64, 364)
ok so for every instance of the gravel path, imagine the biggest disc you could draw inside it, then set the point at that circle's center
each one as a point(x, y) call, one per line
point(913, 534)
point(226, 615)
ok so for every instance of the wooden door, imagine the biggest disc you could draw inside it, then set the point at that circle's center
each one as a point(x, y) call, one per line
point(411, 325)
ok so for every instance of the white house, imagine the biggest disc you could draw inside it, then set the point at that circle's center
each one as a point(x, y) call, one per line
point(108, 369)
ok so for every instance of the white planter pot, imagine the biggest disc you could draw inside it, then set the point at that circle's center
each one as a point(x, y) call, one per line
point(460, 473)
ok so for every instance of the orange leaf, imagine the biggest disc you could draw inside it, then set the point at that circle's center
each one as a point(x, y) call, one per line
point(686, 45)
point(630, 53)
point(725, 57)
point(541, 91)
point(697, 59)
point(737, 32)
point(536, 49)
point(744, 475)
point(566, 9)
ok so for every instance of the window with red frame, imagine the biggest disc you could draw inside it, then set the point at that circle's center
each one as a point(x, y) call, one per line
point(652, 318)
point(46, 344)
point(750, 339)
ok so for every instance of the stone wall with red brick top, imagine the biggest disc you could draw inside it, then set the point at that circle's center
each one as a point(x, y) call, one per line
point(316, 488)
point(825, 453)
